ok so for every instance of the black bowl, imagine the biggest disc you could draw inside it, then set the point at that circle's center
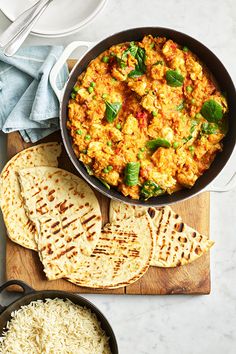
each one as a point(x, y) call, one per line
point(30, 295)
point(216, 68)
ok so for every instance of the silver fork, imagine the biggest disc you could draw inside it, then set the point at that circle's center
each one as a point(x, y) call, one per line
point(18, 31)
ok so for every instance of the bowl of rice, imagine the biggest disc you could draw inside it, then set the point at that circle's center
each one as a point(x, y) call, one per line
point(53, 322)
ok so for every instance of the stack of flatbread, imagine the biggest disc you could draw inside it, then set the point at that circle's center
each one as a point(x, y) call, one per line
point(57, 214)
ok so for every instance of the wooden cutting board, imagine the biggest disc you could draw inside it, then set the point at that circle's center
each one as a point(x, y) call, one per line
point(194, 278)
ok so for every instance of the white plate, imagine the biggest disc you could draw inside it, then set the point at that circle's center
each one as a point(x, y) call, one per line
point(62, 17)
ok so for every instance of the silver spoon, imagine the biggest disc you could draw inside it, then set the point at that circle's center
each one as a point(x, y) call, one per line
point(20, 36)
point(21, 21)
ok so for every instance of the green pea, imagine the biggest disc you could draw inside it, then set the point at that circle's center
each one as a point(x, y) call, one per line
point(79, 132)
point(92, 84)
point(142, 149)
point(84, 151)
point(193, 100)
point(198, 115)
point(175, 145)
point(140, 156)
point(185, 49)
point(109, 143)
point(109, 168)
point(118, 126)
point(87, 137)
point(152, 45)
point(90, 89)
point(189, 89)
point(104, 96)
point(105, 170)
point(73, 95)
point(105, 59)
point(76, 88)
point(191, 148)
point(154, 113)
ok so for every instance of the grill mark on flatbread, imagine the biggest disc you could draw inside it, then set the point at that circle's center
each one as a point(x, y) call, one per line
point(64, 252)
point(69, 223)
point(179, 227)
point(51, 192)
point(46, 221)
point(86, 221)
point(78, 235)
point(55, 224)
point(36, 193)
point(56, 231)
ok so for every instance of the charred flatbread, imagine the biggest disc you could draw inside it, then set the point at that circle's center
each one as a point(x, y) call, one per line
point(176, 242)
point(66, 215)
point(121, 257)
point(19, 228)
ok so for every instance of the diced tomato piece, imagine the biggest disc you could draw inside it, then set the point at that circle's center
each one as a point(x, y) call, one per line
point(117, 151)
point(142, 119)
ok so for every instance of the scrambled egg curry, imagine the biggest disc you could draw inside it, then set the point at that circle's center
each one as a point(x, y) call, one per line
point(147, 118)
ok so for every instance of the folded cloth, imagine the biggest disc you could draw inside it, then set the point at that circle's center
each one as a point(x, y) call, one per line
point(27, 100)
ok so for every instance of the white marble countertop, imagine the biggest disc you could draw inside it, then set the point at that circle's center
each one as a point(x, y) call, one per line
point(174, 324)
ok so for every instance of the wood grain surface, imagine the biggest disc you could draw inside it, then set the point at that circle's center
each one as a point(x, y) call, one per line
point(194, 278)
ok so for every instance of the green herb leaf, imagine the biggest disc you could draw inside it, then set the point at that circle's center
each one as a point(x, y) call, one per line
point(112, 110)
point(131, 173)
point(150, 189)
point(159, 62)
point(209, 128)
point(174, 78)
point(185, 140)
point(140, 67)
point(193, 125)
point(212, 111)
point(133, 48)
point(104, 183)
point(159, 142)
point(89, 170)
point(180, 106)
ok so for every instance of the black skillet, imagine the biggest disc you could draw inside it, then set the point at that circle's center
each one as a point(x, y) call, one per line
point(206, 56)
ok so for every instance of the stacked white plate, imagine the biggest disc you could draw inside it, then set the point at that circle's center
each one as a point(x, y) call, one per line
point(62, 17)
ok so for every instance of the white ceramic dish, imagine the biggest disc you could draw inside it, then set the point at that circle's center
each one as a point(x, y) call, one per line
point(62, 18)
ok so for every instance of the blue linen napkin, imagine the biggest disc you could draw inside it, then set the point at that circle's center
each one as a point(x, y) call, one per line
point(27, 101)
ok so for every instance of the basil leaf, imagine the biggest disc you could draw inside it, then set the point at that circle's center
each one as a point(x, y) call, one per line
point(112, 109)
point(150, 189)
point(140, 67)
point(133, 48)
point(159, 142)
point(174, 78)
point(209, 128)
point(131, 173)
point(212, 111)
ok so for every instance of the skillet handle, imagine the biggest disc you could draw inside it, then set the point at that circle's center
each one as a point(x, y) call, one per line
point(231, 184)
point(61, 61)
point(26, 289)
